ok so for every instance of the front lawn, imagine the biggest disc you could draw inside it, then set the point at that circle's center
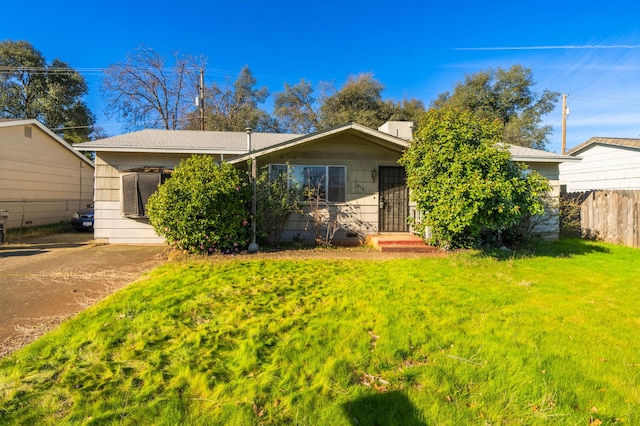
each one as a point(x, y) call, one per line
point(549, 336)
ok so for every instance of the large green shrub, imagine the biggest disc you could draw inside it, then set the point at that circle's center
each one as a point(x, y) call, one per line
point(203, 207)
point(463, 180)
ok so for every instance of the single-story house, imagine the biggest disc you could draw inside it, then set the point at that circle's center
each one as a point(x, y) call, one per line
point(43, 180)
point(605, 163)
point(358, 165)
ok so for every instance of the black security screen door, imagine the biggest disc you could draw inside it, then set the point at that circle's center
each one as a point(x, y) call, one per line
point(394, 200)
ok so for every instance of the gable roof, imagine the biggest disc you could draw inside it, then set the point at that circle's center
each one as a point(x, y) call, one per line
point(363, 132)
point(531, 155)
point(184, 141)
point(620, 142)
point(45, 129)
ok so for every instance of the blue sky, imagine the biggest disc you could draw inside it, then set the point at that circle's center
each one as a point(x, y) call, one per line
point(417, 49)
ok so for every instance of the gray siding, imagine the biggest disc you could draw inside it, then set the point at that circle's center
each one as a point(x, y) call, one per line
point(358, 215)
point(110, 226)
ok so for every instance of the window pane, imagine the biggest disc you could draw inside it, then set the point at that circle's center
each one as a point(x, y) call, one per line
point(337, 184)
point(129, 195)
point(308, 178)
point(313, 179)
point(317, 179)
point(164, 177)
point(136, 189)
point(147, 185)
point(276, 170)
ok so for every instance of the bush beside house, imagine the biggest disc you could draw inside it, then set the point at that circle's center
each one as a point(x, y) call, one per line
point(464, 181)
point(202, 208)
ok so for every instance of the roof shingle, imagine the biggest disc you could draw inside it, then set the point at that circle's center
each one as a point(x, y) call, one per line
point(188, 139)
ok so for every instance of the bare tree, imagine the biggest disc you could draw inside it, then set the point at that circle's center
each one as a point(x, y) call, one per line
point(232, 107)
point(144, 92)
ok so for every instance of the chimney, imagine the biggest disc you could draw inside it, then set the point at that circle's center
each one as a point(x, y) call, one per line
point(399, 129)
point(248, 131)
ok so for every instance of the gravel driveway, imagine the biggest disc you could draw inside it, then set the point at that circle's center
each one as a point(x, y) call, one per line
point(45, 280)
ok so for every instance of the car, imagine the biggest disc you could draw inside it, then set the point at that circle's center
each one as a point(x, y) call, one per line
point(82, 220)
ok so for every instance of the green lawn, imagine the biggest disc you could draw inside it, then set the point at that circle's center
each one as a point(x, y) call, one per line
point(547, 336)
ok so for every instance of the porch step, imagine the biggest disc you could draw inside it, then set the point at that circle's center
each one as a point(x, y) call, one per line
point(399, 243)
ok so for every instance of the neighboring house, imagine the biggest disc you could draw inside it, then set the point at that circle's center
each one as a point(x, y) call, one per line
point(606, 184)
point(357, 168)
point(605, 163)
point(43, 180)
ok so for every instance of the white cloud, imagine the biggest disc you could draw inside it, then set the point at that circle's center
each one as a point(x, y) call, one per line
point(565, 47)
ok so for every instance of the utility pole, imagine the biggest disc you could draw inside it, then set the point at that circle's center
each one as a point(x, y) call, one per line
point(201, 98)
point(565, 112)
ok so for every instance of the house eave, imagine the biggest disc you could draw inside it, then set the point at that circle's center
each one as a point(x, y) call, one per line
point(622, 143)
point(165, 150)
point(542, 159)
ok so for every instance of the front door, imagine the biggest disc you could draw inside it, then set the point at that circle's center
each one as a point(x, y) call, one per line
point(393, 210)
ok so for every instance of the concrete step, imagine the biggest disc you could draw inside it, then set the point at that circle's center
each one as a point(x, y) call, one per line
point(407, 248)
point(399, 243)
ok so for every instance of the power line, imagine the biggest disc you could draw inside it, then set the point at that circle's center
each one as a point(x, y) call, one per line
point(59, 129)
point(48, 70)
point(604, 100)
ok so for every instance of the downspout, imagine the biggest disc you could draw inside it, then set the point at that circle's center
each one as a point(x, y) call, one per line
point(253, 247)
point(80, 199)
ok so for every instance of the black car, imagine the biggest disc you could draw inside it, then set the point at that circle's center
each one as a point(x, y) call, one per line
point(82, 220)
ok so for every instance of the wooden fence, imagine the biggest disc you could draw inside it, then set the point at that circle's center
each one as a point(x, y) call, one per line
point(610, 215)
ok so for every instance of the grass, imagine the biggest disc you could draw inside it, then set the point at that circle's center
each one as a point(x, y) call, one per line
point(547, 336)
point(18, 234)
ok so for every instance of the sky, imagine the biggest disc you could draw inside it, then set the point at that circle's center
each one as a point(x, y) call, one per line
point(588, 50)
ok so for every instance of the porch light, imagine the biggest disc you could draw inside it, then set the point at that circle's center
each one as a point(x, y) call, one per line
point(374, 174)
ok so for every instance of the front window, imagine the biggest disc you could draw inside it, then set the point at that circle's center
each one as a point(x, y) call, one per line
point(137, 187)
point(328, 182)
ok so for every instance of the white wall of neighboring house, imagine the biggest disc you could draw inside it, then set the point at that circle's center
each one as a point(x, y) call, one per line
point(602, 167)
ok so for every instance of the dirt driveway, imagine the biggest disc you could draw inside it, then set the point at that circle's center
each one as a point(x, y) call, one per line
point(45, 280)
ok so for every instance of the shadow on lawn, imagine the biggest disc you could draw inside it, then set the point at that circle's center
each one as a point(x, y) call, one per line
point(391, 408)
point(565, 247)
point(16, 253)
